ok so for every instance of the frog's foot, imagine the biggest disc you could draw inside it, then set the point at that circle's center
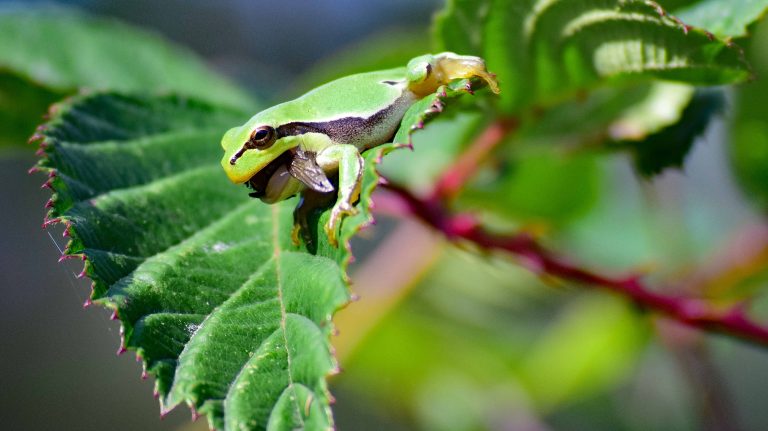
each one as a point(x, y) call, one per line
point(311, 205)
point(427, 73)
point(339, 211)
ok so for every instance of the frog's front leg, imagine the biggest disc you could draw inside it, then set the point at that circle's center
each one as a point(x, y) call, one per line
point(349, 163)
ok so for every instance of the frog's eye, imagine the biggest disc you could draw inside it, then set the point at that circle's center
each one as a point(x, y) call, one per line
point(262, 138)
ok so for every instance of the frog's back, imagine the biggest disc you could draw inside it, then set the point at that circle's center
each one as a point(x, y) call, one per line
point(360, 95)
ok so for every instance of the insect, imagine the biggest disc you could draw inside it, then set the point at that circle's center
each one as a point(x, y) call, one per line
point(300, 146)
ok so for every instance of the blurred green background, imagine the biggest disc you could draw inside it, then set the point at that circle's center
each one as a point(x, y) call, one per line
point(441, 339)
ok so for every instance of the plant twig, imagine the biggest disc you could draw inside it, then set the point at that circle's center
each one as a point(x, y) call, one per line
point(692, 311)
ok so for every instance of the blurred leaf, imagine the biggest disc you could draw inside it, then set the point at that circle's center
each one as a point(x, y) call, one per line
point(669, 146)
point(662, 107)
point(472, 348)
point(582, 121)
point(225, 313)
point(587, 349)
point(450, 332)
point(724, 18)
point(539, 185)
point(749, 132)
point(22, 105)
point(543, 52)
point(386, 50)
point(433, 151)
point(749, 154)
point(49, 52)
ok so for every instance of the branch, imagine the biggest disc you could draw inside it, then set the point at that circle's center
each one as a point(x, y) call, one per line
point(692, 311)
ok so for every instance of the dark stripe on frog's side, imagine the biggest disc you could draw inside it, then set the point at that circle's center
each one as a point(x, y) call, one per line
point(350, 129)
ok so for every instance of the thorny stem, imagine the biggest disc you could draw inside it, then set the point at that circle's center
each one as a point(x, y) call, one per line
point(695, 312)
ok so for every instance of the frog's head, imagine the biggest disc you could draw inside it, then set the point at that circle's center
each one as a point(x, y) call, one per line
point(256, 154)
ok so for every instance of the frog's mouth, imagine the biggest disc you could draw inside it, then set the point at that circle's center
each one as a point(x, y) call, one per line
point(258, 183)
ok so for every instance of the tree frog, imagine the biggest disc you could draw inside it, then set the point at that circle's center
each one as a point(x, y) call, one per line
point(300, 146)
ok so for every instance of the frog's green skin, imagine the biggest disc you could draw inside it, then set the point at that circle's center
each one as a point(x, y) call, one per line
point(325, 130)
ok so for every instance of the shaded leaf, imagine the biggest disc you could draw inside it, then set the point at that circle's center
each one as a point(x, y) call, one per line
point(668, 147)
point(749, 132)
point(22, 105)
point(545, 51)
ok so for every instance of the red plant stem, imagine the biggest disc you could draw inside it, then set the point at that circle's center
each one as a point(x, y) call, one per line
point(453, 179)
point(692, 311)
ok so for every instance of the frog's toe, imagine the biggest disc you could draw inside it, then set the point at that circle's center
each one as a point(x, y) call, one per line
point(338, 213)
point(330, 232)
point(296, 234)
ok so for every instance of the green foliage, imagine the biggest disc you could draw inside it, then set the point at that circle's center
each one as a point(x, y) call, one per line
point(525, 185)
point(669, 146)
point(749, 149)
point(543, 52)
point(386, 50)
point(233, 319)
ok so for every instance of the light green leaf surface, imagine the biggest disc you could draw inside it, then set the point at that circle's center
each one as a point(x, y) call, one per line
point(544, 51)
point(225, 312)
point(724, 18)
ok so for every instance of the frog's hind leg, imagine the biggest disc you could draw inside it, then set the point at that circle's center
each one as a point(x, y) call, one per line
point(428, 72)
point(347, 161)
point(311, 206)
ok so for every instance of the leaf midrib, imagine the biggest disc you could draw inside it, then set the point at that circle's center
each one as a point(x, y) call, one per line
point(283, 315)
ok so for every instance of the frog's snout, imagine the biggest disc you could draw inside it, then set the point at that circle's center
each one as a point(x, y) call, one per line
point(228, 138)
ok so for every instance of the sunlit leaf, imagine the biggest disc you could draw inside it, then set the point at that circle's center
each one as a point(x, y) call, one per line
point(545, 51)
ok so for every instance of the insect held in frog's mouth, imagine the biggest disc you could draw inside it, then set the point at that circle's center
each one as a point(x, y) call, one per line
point(259, 183)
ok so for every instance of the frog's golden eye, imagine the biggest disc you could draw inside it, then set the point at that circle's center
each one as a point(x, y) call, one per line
point(262, 138)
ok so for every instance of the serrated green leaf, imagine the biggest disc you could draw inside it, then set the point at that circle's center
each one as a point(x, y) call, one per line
point(724, 18)
point(209, 289)
point(545, 51)
point(47, 52)
point(227, 314)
